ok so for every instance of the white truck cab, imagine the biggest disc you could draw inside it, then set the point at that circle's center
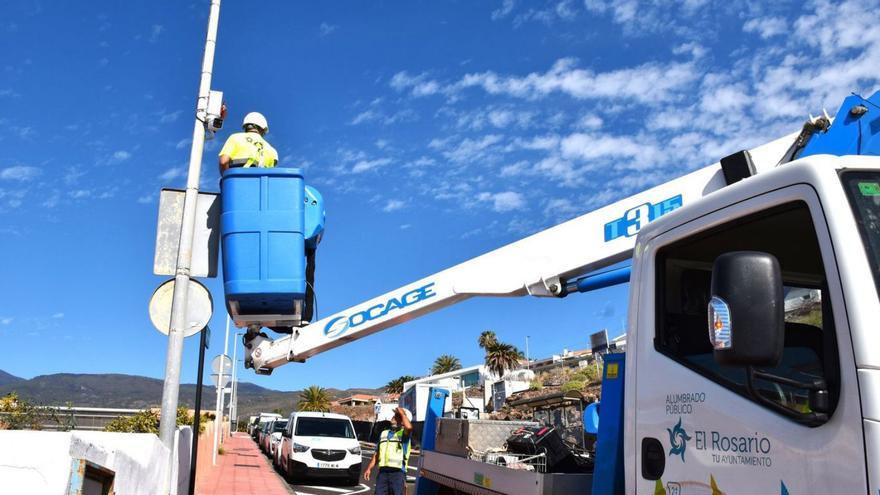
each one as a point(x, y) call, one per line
point(317, 444)
point(696, 422)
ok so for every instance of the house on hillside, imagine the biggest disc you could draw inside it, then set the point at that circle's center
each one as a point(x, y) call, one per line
point(472, 388)
point(358, 400)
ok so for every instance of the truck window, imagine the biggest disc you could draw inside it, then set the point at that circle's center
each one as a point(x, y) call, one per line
point(684, 272)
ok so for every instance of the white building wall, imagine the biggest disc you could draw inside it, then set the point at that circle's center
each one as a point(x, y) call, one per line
point(39, 462)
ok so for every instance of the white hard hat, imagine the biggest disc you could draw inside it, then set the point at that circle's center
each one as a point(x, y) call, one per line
point(408, 414)
point(257, 119)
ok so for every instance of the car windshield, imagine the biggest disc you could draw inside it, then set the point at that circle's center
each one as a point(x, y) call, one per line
point(863, 190)
point(324, 427)
point(279, 426)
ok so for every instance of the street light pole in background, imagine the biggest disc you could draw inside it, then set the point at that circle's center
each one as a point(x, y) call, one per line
point(223, 390)
point(179, 325)
point(233, 404)
point(528, 365)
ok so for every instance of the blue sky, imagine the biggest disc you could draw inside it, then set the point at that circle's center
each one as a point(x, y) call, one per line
point(436, 131)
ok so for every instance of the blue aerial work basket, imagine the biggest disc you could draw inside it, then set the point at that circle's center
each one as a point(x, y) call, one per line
point(265, 239)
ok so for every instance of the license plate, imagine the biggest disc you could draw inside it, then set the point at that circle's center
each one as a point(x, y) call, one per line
point(327, 465)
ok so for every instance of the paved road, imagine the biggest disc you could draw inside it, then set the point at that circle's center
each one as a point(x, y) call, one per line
point(331, 487)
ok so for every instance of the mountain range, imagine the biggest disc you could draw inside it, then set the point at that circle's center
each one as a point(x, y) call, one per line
point(139, 392)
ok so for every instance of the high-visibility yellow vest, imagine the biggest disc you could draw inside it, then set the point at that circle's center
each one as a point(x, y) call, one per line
point(393, 449)
point(249, 149)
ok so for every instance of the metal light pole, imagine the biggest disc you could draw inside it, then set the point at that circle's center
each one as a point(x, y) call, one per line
point(179, 325)
point(528, 364)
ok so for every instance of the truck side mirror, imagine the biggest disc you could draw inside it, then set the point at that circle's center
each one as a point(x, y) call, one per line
point(746, 312)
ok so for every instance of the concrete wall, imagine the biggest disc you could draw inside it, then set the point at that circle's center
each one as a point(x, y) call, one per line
point(40, 461)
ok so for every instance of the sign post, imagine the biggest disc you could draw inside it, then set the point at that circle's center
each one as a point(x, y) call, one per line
point(222, 368)
point(599, 345)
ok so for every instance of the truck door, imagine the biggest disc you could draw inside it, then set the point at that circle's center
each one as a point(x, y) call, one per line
point(698, 429)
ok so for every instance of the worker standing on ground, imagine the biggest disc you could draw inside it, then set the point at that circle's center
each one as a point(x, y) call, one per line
point(249, 148)
point(392, 455)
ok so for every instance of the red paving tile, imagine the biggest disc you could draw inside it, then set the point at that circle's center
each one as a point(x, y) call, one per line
point(242, 470)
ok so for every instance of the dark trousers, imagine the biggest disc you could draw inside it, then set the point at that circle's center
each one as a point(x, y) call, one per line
point(391, 482)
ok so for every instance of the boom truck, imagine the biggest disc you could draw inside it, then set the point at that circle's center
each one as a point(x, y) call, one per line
point(720, 389)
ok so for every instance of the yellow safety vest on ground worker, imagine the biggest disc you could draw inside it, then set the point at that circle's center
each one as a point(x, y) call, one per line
point(393, 449)
point(249, 149)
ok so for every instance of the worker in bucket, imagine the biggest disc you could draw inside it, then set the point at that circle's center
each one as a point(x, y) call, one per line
point(249, 148)
point(392, 455)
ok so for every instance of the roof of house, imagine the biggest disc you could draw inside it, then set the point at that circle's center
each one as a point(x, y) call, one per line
point(480, 368)
point(354, 397)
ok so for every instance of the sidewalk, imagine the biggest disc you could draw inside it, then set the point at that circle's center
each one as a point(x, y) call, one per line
point(242, 470)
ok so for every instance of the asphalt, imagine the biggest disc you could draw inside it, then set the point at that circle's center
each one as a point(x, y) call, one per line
point(334, 487)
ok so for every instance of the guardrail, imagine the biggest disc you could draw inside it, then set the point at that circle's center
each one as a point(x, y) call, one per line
point(79, 418)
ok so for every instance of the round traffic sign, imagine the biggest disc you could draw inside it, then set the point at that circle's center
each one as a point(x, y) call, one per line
point(199, 307)
point(222, 363)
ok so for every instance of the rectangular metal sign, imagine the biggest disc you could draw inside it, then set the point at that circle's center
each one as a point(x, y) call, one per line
point(206, 243)
point(599, 342)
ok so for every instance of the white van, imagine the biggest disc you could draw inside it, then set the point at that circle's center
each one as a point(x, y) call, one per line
point(320, 445)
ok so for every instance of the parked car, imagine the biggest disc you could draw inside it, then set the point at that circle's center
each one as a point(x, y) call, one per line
point(263, 435)
point(262, 419)
point(319, 445)
point(274, 437)
point(252, 422)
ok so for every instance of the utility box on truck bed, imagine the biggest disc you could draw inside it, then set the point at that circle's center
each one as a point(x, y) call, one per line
point(461, 437)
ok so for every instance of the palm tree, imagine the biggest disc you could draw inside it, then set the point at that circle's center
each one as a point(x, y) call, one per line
point(314, 399)
point(501, 357)
point(487, 338)
point(445, 364)
point(396, 386)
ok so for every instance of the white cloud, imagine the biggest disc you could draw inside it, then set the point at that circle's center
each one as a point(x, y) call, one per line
point(327, 29)
point(367, 165)
point(470, 150)
point(58, 316)
point(503, 201)
point(120, 156)
point(6, 320)
point(80, 193)
point(694, 49)
point(365, 116)
point(168, 117)
point(419, 85)
point(19, 173)
point(393, 205)
point(590, 122)
point(171, 174)
point(155, 32)
point(183, 143)
point(146, 199)
point(646, 83)
point(766, 27)
point(504, 10)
